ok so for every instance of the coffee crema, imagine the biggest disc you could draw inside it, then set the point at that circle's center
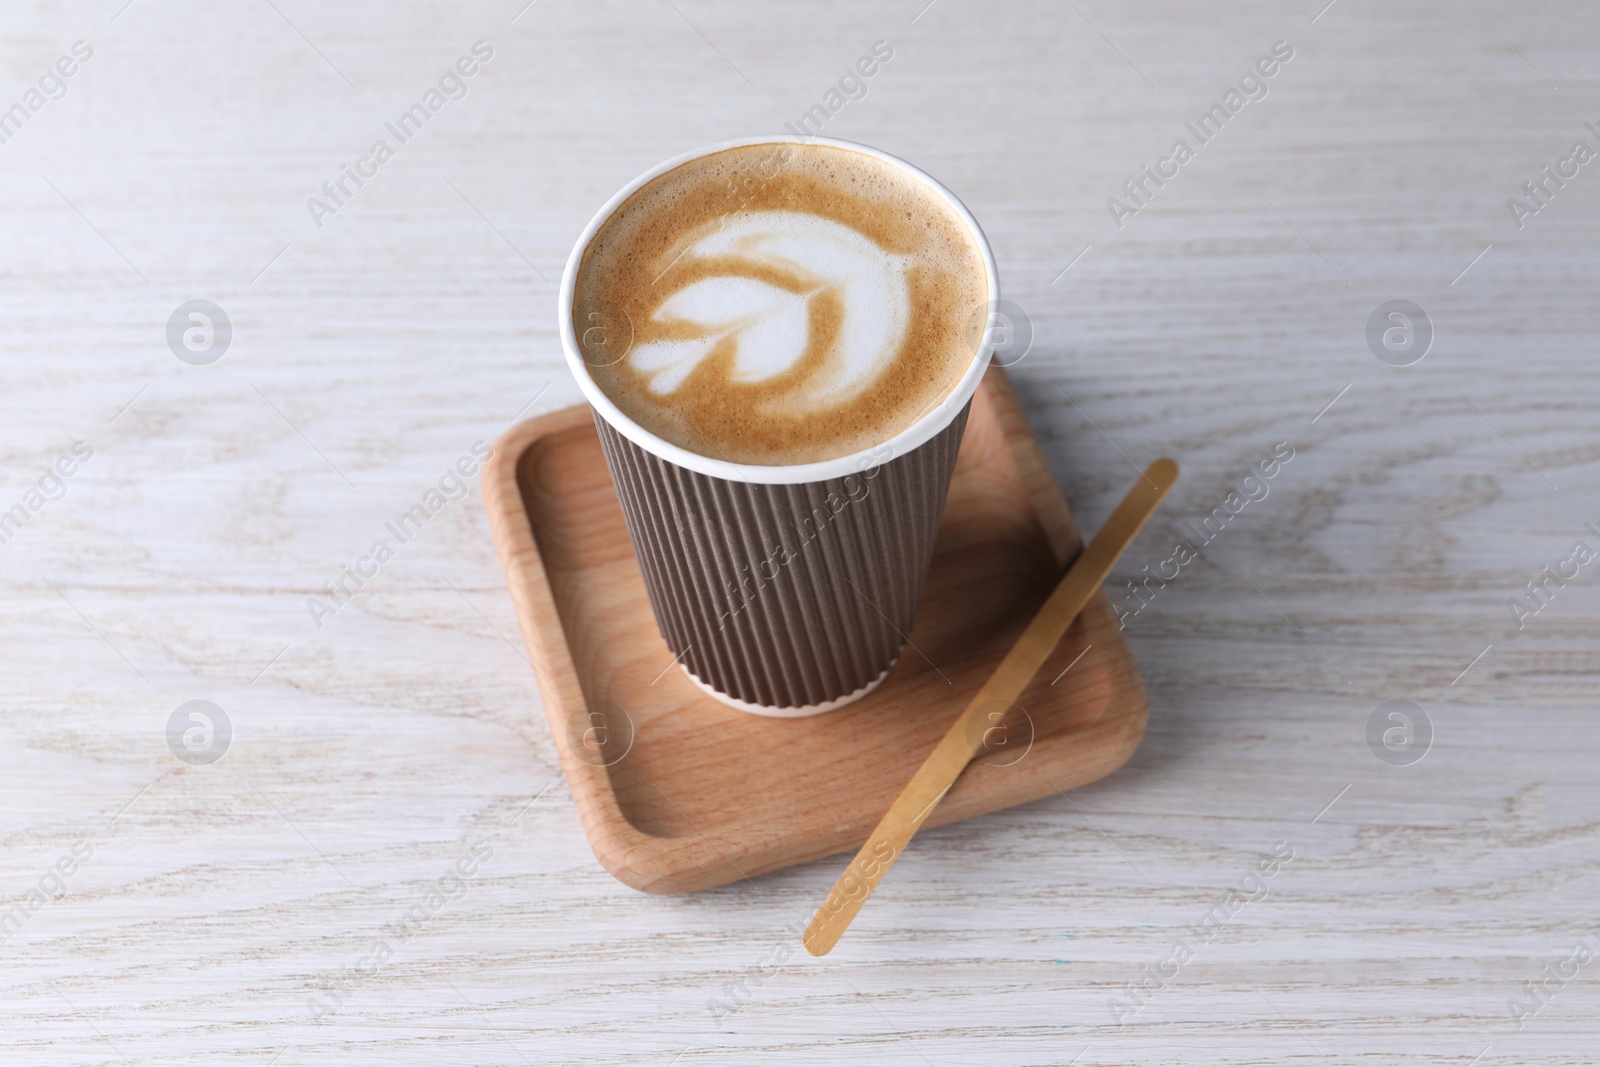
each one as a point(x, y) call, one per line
point(780, 303)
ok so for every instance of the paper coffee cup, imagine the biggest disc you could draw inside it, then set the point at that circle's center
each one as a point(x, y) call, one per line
point(784, 590)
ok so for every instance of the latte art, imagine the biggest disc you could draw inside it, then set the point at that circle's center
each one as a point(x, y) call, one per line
point(780, 303)
point(769, 325)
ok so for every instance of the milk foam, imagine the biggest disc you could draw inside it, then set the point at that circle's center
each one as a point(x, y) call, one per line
point(781, 303)
point(771, 325)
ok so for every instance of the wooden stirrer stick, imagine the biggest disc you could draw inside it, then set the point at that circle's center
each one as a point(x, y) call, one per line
point(964, 739)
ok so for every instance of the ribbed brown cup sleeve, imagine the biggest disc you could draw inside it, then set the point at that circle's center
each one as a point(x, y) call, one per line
point(785, 596)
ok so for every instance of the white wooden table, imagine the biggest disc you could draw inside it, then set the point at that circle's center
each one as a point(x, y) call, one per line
point(212, 910)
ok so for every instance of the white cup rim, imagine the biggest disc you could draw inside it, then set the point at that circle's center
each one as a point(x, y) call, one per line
point(918, 433)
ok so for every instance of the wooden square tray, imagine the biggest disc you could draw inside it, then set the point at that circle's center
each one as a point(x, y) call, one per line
point(678, 792)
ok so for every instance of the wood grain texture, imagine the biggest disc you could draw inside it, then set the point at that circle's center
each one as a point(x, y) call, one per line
point(680, 793)
point(370, 756)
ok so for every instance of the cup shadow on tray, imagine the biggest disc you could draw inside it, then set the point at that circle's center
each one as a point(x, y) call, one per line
point(679, 792)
